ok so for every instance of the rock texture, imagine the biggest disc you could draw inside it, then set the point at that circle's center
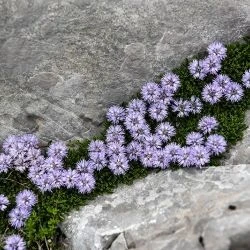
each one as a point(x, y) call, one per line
point(185, 209)
point(63, 62)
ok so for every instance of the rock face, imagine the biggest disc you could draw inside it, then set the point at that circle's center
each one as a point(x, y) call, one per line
point(185, 209)
point(63, 62)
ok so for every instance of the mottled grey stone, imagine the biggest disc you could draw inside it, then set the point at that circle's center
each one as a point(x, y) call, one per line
point(186, 209)
point(63, 62)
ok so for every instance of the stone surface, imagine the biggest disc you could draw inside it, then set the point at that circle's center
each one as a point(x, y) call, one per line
point(63, 62)
point(185, 209)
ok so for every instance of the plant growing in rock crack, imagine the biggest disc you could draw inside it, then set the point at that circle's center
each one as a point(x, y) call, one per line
point(144, 135)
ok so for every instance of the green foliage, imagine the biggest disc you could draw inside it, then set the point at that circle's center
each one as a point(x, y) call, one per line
point(41, 229)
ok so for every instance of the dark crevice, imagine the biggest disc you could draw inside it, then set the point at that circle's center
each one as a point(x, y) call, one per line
point(201, 241)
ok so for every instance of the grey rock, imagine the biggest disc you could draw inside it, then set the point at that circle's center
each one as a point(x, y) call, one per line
point(64, 62)
point(186, 209)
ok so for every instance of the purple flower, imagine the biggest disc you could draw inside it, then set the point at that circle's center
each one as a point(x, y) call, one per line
point(212, 93)
point(181, 106)
point(222, 81)
point(26, 199)
point(150, 92)
point(96, 147)
point(10, 143)
point(18, 216)
point(4, 202)
point(134, 150)
point(14, 242)
point(70, 178)
point(152, 141)
point(158, 111)
point(115, 133)
point(233, 92)
point(118, 164)
point(116, 114)
point(99, 161)
point(29, 140)
point(141, 132)
point(166, 95)
point(165, 131)
point(148, 157)
point(195, 105)
point(217, 49)
point(85, 183)
point(200, 155)
point(44, 182)
point(162, 159)
point(134, 120)
point(57, 149)
point(207, 124)
point(212, 64)
point(5, 163)
point(173, 150)
point(246, 79)
point(136, 106)
point(85, 167)
point(198, 69)
point(216, 144)
point(56, 178)
point(115, 148)
point(194, 138)
point(185, 158)
point(171, 82)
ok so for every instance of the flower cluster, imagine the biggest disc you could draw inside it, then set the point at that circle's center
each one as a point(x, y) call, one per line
point(129, 138)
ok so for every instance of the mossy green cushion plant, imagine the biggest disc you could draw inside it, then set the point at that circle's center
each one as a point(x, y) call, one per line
point(40, 230)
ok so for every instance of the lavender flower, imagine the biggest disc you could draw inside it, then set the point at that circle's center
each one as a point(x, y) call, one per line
point(85, 183)
point(246, 79)
point(10, 143)
point(4, 202)
point(171, 82)
point(116, 114)
point(115, 148)
point(148, 157)
point(18, 216)
point(26, 199)
point(207, 124)
point(173, 150)
point(198, 69)
point(194, 138)
point(195, 105)
point(134, 150)
point(150, 92)
point(212, 64)
point(165, 131)
point(134, 120)
point(152, 141)
point(211, 93)
point(162, 159)
point(136, 106)
point(185, 157)
point(96, 147)
point(216, 144)
point(200, 155)
point(85, 167)
point(181, 106)
point(56, 178)
point(222, 81)
point(218, 50)
point(141, 132)
point(166, 95)
point(158, 111)
point(44, 182)
point(118, 164)
point(70, 178)
point(29, 140)
point(5, 163)
point(115, 133)
point(14, 242)
point(58, 150)
point(52, 163)
point(99, 161)
point(233, 92)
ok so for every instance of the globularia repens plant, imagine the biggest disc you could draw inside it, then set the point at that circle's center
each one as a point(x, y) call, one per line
point(168, 124)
